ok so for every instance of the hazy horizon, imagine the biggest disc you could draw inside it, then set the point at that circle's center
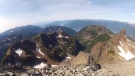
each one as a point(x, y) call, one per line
point(15, 13)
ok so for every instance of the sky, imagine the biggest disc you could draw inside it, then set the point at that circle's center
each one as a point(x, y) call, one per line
point(15, 13)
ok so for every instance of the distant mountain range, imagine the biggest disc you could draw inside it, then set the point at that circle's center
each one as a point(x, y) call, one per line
point(29, 29)
point(69, 31)
point(77, 25)
point(114, 26)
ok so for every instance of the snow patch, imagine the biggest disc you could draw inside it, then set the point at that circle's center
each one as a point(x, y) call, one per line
point(37, 56)
point(120, 43)
point(41, 52)
point(50, 45)
point(66, 37)
point(68, 57)
point(37, 49)
point(9, 64)
point(54, 66)
point(19, 51)
point(41, 65)
point(60, 36)
point(127, 55)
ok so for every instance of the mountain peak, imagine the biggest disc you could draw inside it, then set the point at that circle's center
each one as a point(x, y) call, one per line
point(92, 34)
point(123, 32)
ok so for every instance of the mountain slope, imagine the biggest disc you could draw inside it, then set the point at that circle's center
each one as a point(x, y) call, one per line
point(91, 35)
point(17, 34)
point(8, 40)
point(44, 48)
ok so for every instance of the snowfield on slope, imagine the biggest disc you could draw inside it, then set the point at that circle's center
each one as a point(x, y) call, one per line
point(68, 57)
point(37, 49)
point(19, 51)
point(125, 53)
point(40, 66)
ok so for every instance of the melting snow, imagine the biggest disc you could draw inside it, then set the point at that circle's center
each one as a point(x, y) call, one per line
point(50, 45)
point(37, 56)
point(41, 52)
point(9, 64)
point(54, 65)
point(123, 53)
point(120, 43)
point(19, 51)
point(37, 49)
point(41, 65)
point(68, 57)
point(60, 36)
point(66, 37)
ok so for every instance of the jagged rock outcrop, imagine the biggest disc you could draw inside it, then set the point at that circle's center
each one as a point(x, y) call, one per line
point(111, 50)
point(85, 59)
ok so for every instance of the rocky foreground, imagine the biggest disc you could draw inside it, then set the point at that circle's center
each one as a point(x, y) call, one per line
point(81, 65)
point(85, 66)
point(118, 69)
point(82, 70)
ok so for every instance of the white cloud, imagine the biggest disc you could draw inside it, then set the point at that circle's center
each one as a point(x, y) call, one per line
point(21, 12)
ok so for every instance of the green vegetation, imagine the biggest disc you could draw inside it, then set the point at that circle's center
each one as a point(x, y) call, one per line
point(100, 38)
point(111, 52)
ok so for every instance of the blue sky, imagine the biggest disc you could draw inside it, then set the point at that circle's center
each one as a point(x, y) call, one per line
point(22, 12)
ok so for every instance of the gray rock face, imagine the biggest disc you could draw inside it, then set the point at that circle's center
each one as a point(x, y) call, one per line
point(85, 59)
point(92, 63)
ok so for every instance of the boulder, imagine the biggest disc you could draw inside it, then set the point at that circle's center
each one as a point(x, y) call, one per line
point(85, 59)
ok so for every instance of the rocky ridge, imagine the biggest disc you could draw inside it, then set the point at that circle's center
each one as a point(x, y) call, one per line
point(118, 48)
point(45, 48)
